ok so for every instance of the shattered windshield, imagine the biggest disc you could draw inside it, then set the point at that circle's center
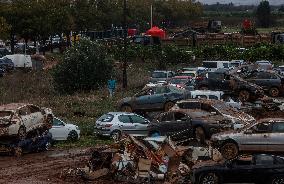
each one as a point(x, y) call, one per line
point(226, 109)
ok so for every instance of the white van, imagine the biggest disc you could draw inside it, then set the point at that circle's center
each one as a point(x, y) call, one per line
point(21, 60)
point(215, 65)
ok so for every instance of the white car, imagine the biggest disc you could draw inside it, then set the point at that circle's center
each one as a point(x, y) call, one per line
point(62, 131)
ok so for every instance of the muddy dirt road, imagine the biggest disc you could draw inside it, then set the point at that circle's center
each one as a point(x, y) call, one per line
point(41, 168)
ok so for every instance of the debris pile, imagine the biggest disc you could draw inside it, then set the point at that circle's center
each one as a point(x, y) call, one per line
point(137, 159)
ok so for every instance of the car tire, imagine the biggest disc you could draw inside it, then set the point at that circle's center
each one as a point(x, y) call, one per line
point(244, 95)
point(115, 135)
point(229, 150)
point(200, 134)
point(168, 106)
point(209, 178)
point(72, 136)
point(274, 92)
point(277, 180)
point(22, 134)
point(126, 108)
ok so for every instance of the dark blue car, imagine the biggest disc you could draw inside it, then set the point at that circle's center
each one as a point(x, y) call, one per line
point(6, 64)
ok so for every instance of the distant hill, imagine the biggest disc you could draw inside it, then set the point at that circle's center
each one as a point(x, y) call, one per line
point(241, 2)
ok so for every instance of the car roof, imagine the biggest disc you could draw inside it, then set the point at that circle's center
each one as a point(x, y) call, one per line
point(120, 113)
point(280, 120)
point(181, 77)
point(12, 106)
point(208, 101)
point(207, 92)
point(165, 71)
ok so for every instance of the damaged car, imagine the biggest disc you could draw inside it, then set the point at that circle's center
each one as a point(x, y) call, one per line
point(209, 108)
point(270, 81)
point(259, 168)
point(267, 135)
point(160, 97)
point(19, 119)
point(230, 84)
point(183, 125)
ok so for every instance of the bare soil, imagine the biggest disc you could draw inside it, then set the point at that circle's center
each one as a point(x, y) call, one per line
point(42, 168)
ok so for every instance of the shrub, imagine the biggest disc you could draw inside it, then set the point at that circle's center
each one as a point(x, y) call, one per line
point(85, 67)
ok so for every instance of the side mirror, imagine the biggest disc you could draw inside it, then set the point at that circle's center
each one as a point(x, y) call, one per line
point(248, 132)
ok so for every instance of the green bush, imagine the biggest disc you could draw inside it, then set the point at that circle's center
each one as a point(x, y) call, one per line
point(86, 66)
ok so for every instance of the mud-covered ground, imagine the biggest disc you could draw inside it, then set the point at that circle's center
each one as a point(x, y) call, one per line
point(41, 168)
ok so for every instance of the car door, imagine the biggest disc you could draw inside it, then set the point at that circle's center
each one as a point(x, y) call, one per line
point(183, 125)
point(58, 130)
point(160, 96)
point(276, 138)
point(26, 119)
point(256, 138)
point(168, 124)
point(142, 100)
point(125, 124)
point(140, 124)
point(238, 171)
point(36, 116)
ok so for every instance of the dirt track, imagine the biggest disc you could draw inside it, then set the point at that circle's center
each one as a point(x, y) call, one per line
point(43, 168)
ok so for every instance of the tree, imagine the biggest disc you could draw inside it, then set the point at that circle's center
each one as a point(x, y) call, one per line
point(85, 67)
point(263, 14)
point(4, 28)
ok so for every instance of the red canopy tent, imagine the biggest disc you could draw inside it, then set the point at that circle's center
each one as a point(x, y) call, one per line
point(155, 31)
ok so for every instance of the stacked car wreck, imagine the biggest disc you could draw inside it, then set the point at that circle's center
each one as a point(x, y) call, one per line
point(20, 123)
point(171, 133)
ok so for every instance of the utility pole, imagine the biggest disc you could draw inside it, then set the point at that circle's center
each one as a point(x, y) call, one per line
point(151, 16)
point(124, 74)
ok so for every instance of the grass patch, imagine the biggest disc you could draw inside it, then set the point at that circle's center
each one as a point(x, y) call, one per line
point(84, 141)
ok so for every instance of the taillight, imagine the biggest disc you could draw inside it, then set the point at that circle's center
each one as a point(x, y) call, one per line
point(108, 125)
point(199, 78)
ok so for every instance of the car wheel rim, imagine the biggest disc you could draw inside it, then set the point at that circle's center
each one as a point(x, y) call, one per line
point(278, 181)
point(115, 136)
point(229, 151)
point(210, 179)
point(274, 92)
point(73, 136)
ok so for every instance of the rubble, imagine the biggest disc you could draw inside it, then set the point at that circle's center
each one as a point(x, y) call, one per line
point(138, 159)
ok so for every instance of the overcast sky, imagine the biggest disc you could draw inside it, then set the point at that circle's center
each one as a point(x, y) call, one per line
point(241, 2)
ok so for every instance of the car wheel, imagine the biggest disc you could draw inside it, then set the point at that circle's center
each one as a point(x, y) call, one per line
point(229, 150)
point(244, 95)
point(168, 106)
point(209, 178)
point(115, 135)
point(278, 180)
point(274, 92)
point(126, 108)
point(200, 134)
point(22, 134)
point(72, 136)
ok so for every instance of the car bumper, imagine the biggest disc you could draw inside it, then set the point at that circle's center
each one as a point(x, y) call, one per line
point(102, 132)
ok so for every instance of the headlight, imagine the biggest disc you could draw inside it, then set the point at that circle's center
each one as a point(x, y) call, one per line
point(77, 128)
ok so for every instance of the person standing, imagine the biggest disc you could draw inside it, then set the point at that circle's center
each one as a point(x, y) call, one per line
point(111, 84)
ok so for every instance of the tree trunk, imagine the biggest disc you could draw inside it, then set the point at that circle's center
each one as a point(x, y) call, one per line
point(12, 43)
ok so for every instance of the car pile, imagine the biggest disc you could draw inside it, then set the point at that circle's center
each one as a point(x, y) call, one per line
point(200, 109)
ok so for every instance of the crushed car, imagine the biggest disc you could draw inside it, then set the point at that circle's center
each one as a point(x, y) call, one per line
point(267, 135)
point(206, 108)
point(19, 119)
point(231, 85)
point(270, 81)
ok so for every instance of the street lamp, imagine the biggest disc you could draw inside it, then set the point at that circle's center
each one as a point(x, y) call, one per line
point(124, 73)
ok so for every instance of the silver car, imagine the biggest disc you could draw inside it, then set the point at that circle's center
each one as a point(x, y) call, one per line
point(114, 124)
point(266, 135)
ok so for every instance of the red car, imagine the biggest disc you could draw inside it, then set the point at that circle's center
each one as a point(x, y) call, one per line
point(181, 81)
